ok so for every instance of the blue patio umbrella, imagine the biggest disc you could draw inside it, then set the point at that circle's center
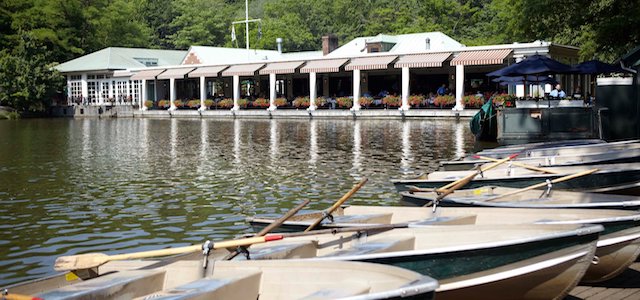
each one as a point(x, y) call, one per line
point(597, 67)
point(534, 65)
point(504, 80)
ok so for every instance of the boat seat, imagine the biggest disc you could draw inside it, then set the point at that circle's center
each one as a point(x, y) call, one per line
point(384, 218)
point(242, 285)
point(453, 220)
point(302, 249)
point(119, 285)
point(378, 245)
point(343, 292)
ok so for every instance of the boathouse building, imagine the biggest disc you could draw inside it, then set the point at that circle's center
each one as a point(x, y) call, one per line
point(373, 66)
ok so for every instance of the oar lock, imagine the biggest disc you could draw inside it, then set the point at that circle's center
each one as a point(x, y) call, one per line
point(326, 215)
point(206, 249)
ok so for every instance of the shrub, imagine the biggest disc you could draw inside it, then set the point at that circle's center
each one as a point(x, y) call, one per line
point(208, 103)
point(504, 99)
point(301, 102)
point(365, 101)
point(279, 102)
point(225, 103)
point(446, 100)
point(391, 101)
point(472, 101)
point(178, 103)
point(344, 102)
point(416, 100)
point(148, 103)
point(260, 102)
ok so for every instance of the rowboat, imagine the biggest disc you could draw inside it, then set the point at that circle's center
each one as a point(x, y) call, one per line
point(484, 196)
point(275, 279)
point(618, 245)
point(543, 145)
point(522, 261)
point(620, 156)
point(560, 150)
point(610, 178)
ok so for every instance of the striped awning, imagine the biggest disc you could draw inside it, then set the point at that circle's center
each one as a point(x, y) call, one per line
point(427, 60)
point(483, 57)
point(147, 74)
point(324, 65)
point(242, 70)
point(288, 67)
point(207, 71)
point(175, 73)
point(370, 63)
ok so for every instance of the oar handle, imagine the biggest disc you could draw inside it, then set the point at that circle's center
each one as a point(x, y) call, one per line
point(538, 185)
point(337, 204)
point(283, 219)
point(11, 296)
point(519, 164)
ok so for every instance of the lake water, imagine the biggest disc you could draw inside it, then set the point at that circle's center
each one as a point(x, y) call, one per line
point(120, 185)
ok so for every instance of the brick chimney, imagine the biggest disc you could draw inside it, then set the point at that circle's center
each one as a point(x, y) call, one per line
point(329, 43)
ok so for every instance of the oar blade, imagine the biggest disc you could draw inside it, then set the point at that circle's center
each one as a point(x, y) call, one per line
point(79, 262)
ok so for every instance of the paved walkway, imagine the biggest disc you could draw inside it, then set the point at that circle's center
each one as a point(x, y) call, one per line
point(625, 286)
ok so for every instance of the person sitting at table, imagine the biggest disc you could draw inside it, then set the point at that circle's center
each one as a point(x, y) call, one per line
point(577, 93)
point(442, 90)
point(558, 92)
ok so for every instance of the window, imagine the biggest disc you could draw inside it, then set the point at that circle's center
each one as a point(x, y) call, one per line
point(105, 90)
point(149, 62)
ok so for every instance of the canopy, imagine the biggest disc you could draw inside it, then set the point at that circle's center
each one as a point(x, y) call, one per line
point(597, 67)
point(534, 65)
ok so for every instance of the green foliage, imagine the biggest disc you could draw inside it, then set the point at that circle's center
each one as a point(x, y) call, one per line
point(27, 80)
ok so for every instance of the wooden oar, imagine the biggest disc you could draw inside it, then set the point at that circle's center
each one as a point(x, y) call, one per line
point(535, 186)
point(519, 164)
point(10, 296)
point(273, 226)
point(336, 205)
point(483, 168)
point(92, 260)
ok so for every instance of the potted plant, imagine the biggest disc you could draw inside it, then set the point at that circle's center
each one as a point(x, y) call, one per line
point(472, 101)
point(321, 101)
point(208, 103)
point(505, 100)
point(280, 102)
point(365, 101)
point(243, 103)
point(148, 103)
point(301, 102)
point(194, 103)
point(444, 101)
point(225, 103)
point(344, 102)
point(391, 101)
point(416, 100)
point(260, 102)
point(164, 104)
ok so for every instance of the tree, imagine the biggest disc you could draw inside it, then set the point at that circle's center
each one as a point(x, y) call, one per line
point(27, 79)
point(201, 22)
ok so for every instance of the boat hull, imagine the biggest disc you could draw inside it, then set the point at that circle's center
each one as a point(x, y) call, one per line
point(623, 181)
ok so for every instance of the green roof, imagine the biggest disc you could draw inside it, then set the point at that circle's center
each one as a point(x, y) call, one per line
point(115, 58)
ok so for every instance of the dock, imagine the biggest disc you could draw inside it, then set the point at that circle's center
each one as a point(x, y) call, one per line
point(625, 286)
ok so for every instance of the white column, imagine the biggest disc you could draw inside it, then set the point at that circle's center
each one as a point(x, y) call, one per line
point(128, 93)
point(312, 91)
point(143, 94)
point(405, 89)
point(100, 87)
point(203, 93)
point(356, 90)
point(272, 92)
point(459, 87)
point(172, 93)
point(236, 92)
point(85, 88)
point(111, 87)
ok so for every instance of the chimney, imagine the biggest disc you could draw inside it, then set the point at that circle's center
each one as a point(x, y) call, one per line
point(329, 43)
point(279, 42)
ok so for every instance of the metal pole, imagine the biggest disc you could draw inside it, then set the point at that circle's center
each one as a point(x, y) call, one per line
point(246, 14)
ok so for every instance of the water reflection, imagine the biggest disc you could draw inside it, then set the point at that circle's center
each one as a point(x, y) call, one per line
point(119, 185)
